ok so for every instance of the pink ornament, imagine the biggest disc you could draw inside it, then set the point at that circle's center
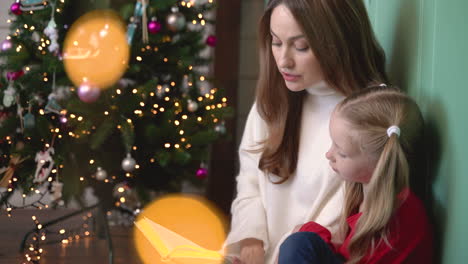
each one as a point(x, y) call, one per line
point(13, 76)
point(154, 27)
point(6, 45)
point(211, 41)
point(88, 93)
point(15, 8)
point(202, 173)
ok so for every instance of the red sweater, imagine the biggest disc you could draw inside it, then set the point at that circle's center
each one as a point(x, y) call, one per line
point(410, 235)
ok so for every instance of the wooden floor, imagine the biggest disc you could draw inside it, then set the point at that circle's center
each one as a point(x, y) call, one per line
point(87, 250)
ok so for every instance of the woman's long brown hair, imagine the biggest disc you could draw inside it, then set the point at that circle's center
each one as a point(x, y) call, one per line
point(340, 35)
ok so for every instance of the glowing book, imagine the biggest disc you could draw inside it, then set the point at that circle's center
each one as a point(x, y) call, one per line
point(174, 248)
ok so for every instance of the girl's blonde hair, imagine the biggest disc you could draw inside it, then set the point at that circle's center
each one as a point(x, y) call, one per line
point(370, 113)
point(340, 35)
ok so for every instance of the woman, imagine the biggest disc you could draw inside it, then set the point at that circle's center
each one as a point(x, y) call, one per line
point(312, 54)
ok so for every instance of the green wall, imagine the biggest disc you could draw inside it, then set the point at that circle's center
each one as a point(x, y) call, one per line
point(426, 42)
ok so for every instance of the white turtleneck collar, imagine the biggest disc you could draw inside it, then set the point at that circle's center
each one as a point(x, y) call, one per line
point(321, 89)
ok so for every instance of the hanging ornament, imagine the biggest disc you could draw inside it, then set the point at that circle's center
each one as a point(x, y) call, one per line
point(52, 106)
point(211, 41)
point(101, 174)
point(45, 163)
point(9, 95)
point(32, 5)
point(6, 45)
point(185, 87)
point(128, 164)
point(52, 32)
point(29, 121)
point(13, 76)
point(62, 92)
point(56, 190)
point(15, 8)
point(220, 128)
point(154, 26)
point(88, 93)
point(131, 30)
point(192, 106)
point(202, 172)
point(176, 20)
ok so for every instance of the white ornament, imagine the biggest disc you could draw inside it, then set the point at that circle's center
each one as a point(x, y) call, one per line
point(45, 163)
point(192, 106)
point(101, 174)
point(128, 164)
point(52, 32)
point(9, 95)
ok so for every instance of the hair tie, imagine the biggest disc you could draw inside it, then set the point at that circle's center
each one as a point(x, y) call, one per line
point(393, 129)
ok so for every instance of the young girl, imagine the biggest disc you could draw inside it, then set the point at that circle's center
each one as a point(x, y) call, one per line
point(374, 137)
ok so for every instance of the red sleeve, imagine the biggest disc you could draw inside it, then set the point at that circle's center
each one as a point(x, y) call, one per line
point(410, 237)
point(320, 230)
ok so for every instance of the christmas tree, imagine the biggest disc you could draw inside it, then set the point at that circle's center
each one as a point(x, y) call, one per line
point(148, 131)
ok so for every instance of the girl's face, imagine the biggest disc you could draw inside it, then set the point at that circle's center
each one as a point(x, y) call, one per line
point(346, 158)
point(294, 58)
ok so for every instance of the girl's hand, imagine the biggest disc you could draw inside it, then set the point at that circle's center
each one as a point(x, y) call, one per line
point(252, 251)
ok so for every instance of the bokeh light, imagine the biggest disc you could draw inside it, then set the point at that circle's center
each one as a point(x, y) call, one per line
point(96, 49)
point(189, 216)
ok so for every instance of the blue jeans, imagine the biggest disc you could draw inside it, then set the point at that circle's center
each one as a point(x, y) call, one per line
point(307, 248)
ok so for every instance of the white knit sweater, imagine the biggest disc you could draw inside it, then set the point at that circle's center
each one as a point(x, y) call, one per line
point(269, 212)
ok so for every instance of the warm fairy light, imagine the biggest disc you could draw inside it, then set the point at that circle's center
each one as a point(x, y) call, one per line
point(184, 117)
point(62, 231)
point(207, 108)
point(121, 189)
point(165, 59)
point(15, 179)
point(176, 146)
point(161, 109)
point(200, 15)
point(134, 91)
point(86, 233)
point(199, 119)
point(142, 104)
point(224, 99)
point(106, 113)
point(202, 22)
point(152, 160)
point(167, 99)
point(167, 145)
point(119, 126)
point(106, 180)
point(91, 161)
point(183, 139)
point(34, 218)
point(137, 166)
point(37, 191)
point(128, 175)
point(138, 58)
point(39, 226)
point(207, 96)
point(134, 148)
point(173, 84)
point(8, 21)
point(64, 241)
point(181, 132)
point(176, 104)
point(151, 94)
point(138, 112)
point(167, 89)
point(80, 118)
point(176, 122)
point(129, 121)
point(155, 105)
point(72, 116)
point(81, 179)
point(190, 67)
point(118, 91)
point(200, 99)
point(219, 105)
point(188, 146)
point(194, 22)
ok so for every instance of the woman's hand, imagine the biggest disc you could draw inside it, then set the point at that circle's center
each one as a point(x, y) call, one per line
point(252, 251)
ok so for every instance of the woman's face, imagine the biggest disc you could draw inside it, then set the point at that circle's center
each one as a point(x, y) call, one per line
point(293, 55)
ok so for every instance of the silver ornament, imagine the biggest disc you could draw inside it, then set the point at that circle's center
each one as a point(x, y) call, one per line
point(101, 174)
point(192, 106)
point(220, 128)
point(128, 164)
point(175, 21)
